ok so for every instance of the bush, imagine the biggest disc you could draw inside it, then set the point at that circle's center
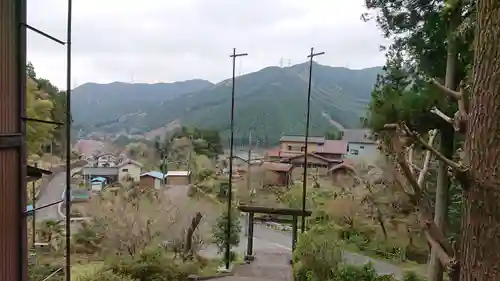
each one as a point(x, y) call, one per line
point(356, 273)
point(412, 276)
point(317, 255)
point(105, 275)
point(153, 265)
point(220, 230)
point(40, 272)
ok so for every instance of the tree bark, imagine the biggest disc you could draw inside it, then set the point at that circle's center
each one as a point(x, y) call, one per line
point(447, 149)
point(480, 256)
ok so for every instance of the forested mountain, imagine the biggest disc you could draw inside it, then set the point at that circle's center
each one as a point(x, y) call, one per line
point(101, 103)
point(270, 102)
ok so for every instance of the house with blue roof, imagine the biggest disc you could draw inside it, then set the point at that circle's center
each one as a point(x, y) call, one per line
point(153, 179)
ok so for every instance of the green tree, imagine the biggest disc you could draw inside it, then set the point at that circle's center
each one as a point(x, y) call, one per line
point(431, 39)
point(37, 106)
point(220, 230)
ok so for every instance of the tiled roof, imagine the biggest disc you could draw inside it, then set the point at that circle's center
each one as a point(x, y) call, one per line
point(357, 136)
point(130, 161)
point(342, 166)
point(302, 139)
point(277, 167)
point(333, 147)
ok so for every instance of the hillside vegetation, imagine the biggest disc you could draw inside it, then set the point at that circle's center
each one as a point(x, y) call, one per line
point(46, 102)
point(270, 102)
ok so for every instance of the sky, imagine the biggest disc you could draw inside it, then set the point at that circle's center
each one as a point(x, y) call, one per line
point(151, 41)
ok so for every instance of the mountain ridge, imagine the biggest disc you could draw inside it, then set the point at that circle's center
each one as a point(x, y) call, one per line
point(270, 102)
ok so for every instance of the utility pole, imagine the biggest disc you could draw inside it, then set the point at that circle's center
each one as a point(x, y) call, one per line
point(68, 142)
point(231, 147)
point(308, 117)
point(249, 159)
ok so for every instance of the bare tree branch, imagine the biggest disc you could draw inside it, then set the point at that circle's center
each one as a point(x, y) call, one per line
point(441, 114)
point(427, 159)
point(446, 90)
point(456, 166)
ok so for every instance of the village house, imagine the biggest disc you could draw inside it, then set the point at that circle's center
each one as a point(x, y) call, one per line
point(125, 171)
point(178, 178)
point(241, 159)
point(153, 179)
point(324, 153)
point(105, 160)
point(278, 174)
point(360, 143)
point(129, 170)
point(342, 174)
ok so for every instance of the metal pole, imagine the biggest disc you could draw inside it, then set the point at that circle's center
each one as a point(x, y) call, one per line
point(304, 179)
point(68, 143)
point(33, 216)
point(248, 175)
point(231, 147)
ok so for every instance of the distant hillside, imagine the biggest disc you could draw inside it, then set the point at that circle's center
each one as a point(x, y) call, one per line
point(270, 102)
point(101, 104)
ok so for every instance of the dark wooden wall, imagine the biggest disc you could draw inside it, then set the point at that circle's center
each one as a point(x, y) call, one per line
point(13, 251)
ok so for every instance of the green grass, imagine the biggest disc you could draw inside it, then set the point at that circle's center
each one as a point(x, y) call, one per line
point(80, 270)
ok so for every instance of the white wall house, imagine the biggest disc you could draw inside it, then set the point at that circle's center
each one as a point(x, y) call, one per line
point(360, 144)
point(130, 169)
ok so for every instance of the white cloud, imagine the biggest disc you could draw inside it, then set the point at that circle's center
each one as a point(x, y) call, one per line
point(160, 40)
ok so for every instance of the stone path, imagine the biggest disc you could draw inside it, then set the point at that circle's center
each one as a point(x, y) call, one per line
point(269, 265)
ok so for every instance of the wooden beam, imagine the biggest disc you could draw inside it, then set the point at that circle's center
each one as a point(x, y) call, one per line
point(273, 211)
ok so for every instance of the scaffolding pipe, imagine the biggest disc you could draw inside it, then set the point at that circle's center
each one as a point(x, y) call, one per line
point(68, 143)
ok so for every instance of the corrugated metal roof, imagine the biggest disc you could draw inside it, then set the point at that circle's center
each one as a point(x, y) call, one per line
point(154, 174)
point(277, 167)
point(357, 136)
point(302, 139)
point(178, 173)
point(99, 179)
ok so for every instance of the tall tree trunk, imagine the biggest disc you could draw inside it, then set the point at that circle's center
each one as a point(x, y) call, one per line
point(447, 149)
point(480, 256)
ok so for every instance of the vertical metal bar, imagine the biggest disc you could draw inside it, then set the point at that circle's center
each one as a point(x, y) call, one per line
point(248, 174)
point(68, 142)
point(308, 117)
point(231, 145)
point(250, 235)
point(21, 90)
point(33, 216)
point(294, 232)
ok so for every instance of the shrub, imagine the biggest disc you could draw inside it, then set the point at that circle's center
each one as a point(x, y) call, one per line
point(153, 265)
point(40, 272)
point(220, 230)
point(412, 276)
point(105, 275)
point(317, 255)
point(356, 273)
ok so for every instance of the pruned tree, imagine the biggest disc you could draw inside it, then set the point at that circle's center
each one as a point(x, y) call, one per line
point(133, 219)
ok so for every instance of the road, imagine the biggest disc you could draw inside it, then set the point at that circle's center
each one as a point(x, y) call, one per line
point(52, 193)
point(283, 240)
